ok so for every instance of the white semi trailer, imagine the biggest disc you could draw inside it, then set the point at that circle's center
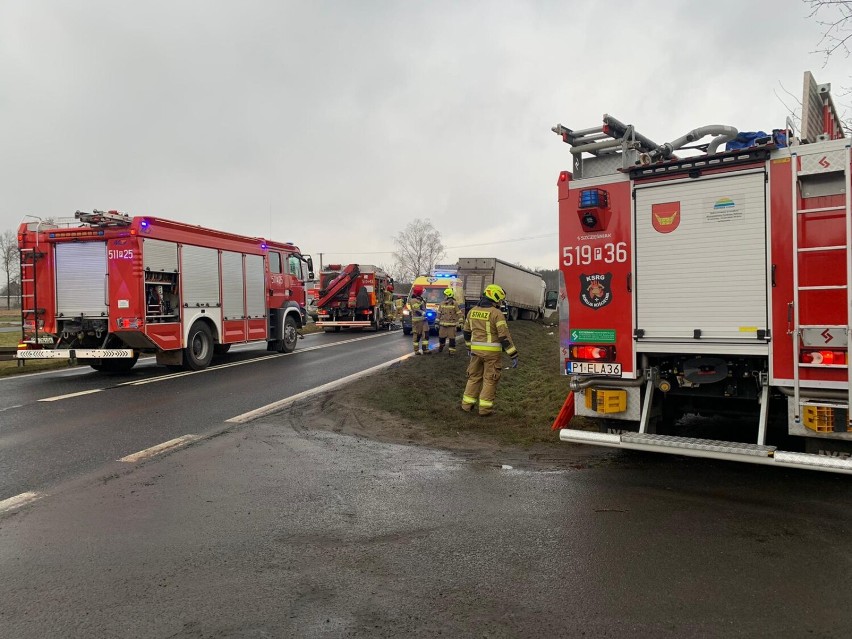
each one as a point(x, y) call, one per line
point(525, 290)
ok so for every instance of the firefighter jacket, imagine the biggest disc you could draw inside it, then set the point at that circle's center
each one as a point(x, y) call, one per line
point(418, 309)
point(449, 313)
point(486, 330)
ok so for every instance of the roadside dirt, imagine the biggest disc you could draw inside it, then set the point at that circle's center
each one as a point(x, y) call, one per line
point(344, 412)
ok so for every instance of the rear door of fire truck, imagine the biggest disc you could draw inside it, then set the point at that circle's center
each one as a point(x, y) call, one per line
point(701, 268)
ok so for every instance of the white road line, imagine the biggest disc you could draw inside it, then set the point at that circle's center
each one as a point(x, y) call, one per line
point(162, 378)
point(283, 403)
point(159, 448)
point(70, 395)
point(19, 500)
point(11, 407)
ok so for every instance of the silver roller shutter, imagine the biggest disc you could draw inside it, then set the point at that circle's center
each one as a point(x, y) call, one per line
point(81, 279)
point(200, 274)
point(233, 287)
point(255, 286)
point(709, 273)
point(158, 255)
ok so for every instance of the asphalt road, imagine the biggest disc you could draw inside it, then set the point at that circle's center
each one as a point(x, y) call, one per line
point(279, 531)
point(58, 425)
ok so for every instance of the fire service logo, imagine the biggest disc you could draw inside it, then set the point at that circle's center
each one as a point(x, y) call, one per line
point(665, 216)
point(596, 290)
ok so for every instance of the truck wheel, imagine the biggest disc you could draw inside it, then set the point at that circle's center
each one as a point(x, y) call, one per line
point(290, 337)
point(513, 314)
point(116, 365)
point(199, 348)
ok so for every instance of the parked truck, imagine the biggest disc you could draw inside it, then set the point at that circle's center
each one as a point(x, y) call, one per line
point(525, 290)
point(113, 286)
point(353, 296)
point(710, 279)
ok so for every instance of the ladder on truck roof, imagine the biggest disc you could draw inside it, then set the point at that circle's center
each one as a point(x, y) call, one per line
point(814, 161)
point(338, 284)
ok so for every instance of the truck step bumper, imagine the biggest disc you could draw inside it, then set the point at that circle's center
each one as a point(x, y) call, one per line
point(730, 451)
point(78, 353)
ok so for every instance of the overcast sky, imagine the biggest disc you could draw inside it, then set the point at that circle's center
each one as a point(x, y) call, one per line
point(332, 124)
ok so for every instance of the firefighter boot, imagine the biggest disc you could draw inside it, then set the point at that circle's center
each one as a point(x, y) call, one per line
point(441, 343)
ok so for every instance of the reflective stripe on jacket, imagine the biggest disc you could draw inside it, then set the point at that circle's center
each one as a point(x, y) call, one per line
point(488, 331)
point(418, 309)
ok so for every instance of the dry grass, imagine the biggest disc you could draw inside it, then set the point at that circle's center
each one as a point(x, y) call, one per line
point(428, 389)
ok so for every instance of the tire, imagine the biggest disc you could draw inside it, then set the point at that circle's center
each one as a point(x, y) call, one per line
point(199, 347)
point(221, 349)
point(116, 365)
point(406, 330)
point(378, 318)
point(287, 343)
point(513, 314)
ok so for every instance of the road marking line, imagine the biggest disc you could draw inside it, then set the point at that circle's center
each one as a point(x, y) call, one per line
point(70, 395)
point(161, 378)
point(283, 403)
point(11, 407)
point(159, 448)
point(19, 500)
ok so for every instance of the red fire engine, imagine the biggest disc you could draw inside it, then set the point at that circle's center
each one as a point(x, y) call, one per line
point(114, 286)
point(702, 279)
point(352, 296)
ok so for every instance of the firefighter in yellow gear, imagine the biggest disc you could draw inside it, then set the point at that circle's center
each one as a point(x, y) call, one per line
point(449, 315)
point(419, 323)
point(486, 334)
point(387, 304)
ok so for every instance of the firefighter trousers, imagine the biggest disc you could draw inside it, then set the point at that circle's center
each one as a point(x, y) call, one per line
point(483, 373)
point(447, 333)
point(420, 332)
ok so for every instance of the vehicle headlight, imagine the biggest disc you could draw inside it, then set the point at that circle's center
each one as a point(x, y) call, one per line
point(406, 312)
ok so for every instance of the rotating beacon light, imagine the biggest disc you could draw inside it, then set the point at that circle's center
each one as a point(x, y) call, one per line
point(593, 210)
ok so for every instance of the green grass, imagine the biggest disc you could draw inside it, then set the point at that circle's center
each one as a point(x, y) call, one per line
point(427, 390)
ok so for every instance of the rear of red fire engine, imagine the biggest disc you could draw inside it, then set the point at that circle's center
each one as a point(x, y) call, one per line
point(111, 287)
point(352, 296)
point(703, 281)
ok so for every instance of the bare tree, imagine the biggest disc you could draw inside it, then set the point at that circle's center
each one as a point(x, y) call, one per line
point(9, 260)
point(418, 249)
point(835, 19)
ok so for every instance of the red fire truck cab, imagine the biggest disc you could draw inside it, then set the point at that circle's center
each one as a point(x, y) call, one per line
point(113, 286)
point(710, 279)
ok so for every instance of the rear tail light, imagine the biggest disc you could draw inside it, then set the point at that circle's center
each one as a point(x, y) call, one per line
point(592, 353)
point(824, 357)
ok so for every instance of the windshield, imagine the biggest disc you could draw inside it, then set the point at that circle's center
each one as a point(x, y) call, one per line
point(433, 295)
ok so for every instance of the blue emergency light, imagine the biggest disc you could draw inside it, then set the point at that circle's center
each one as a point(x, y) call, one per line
point(593, 199)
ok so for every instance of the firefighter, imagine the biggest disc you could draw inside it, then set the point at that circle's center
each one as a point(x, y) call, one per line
point(387, 303)
point(486, 334)
point(448, 321)
point(419, 323)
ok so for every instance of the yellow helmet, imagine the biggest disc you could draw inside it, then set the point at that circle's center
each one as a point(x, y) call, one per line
point(495, 293)
point(449, 292)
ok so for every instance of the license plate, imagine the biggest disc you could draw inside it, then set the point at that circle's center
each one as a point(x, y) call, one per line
point(593, 368)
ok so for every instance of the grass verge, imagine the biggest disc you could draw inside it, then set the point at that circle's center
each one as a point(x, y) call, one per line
point(427, 390)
